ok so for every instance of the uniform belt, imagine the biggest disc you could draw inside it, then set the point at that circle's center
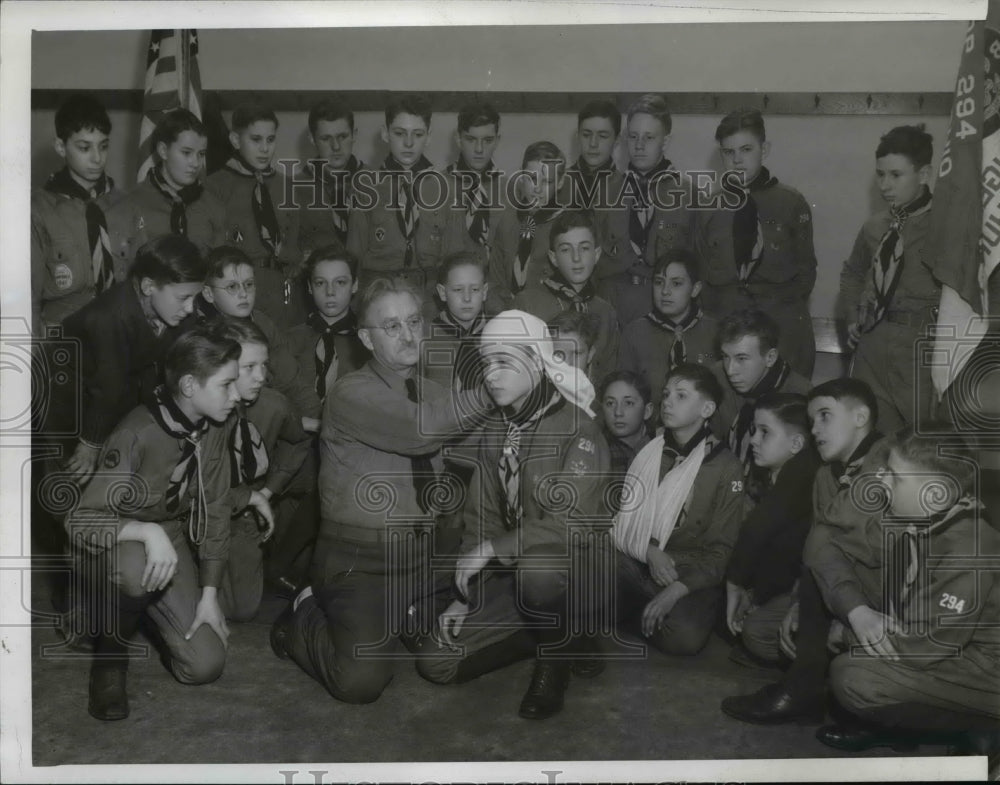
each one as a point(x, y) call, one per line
point(911, 318)
point(366, 535)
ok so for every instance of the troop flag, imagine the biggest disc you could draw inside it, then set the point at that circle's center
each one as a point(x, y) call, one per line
point(965, 233)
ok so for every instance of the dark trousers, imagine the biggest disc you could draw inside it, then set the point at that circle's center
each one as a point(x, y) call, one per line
point(112, 580)
point(551, 605)
point(347, 635)
point(807, 675)
point(686, 629)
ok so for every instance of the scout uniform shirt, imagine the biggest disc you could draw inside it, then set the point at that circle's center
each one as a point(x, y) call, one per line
point(475, 203)
point(778, 268)
point(267, 234)
point(947, 609)
point(634, 232)
point(326, 222)
point(133, 482)
point(555, 296)
point(313, 361)
point(562, 456)
point(450, 355)
point(145, 213)
point(376, 443)
point(63, 263)
point(276, 448)
point(405, 240)
point(844, 548)
point(707, 528)
point(650, 347)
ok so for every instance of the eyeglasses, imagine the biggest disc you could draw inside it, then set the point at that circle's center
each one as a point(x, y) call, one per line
point(394, 327)
point(233, 288)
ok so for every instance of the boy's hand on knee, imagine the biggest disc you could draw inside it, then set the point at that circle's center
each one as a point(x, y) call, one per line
point(259, 501)
point(161, 558)
point(82, 463)
point(738, 605)
point(853, 334)
point(835, 640)
point(208, 612)
point(471, 564)
point(661, 566)
point(872, 629)
point(658, 608)
point(789, 626)
point(451, 621)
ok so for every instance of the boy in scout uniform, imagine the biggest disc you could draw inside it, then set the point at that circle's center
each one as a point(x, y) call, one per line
point(251, 193)
point(475, 182)
point(759, 255)
point(888, 293)
point(399, 220)
point(71, 259)
point(594, 177)
point(649, 216)
point(333, 134)
point(171, 200)
point(516, 534)
point(158, 545)
point(930, 679)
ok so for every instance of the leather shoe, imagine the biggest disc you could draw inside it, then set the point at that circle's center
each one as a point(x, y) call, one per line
point(544, 697)
point(279, 633)
point(108, 699)
point(858, 739)
point(588, 669)
point(772, 705)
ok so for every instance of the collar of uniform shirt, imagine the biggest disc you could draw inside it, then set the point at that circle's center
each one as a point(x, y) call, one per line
point(393, 379)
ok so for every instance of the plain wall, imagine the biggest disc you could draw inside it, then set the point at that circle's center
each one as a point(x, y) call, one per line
point(829, 158)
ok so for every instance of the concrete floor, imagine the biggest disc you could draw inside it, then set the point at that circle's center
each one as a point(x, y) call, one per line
point(264, 710)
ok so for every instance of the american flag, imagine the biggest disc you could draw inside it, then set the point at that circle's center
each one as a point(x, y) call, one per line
point(172, 82)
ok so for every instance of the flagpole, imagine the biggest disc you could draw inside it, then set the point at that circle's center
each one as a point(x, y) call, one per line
point(183, 61)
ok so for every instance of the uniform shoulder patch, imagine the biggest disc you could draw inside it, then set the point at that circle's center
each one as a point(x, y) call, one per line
point(586, 445)
point(579, 468)
point(62, 277)
point(804, 218)
point(112, 459)
point(380, 234)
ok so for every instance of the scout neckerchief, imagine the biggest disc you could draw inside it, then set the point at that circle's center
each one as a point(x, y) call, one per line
point(101, 261)
point(528, 223)
point(477, 216)
point(910, 551)
point(678, 351)
point(544, 399)
point(887, 263)
point(640, 209)
point(468, 366)
point(264, 214)
point(247, 452)
point(739, 431)
point(325, 351)
point(653, 507)
point(845, 472)
point(421, 468)
point(175, 423)
point(179, 199)
point(408, 214)
point(586, 178)
point(748, 235)
point(566, 294)
point(338, 187)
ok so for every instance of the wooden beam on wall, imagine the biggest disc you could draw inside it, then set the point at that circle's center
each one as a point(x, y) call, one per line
point(910, 104)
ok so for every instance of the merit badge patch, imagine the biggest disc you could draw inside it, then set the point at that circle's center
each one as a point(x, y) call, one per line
point(380, 234)
point(62, 277)
point(112, 459)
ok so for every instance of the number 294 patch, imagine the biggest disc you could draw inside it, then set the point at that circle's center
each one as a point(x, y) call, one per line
point(952, 603)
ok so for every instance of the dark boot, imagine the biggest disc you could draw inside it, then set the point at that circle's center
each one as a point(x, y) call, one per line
point(108, 698)
point(589, 663)
point(544, 697)
point(773, 704)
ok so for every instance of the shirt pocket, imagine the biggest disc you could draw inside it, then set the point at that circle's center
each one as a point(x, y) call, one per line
point(68, 265)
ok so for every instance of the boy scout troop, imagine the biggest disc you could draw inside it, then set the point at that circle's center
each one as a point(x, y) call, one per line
point(288, 352)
